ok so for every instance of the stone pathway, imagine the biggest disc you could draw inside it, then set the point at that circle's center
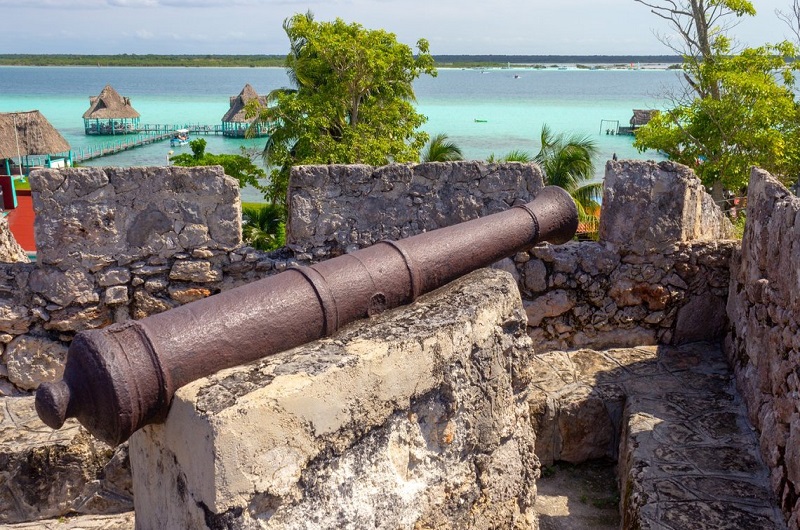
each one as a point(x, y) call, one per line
point(688, 458)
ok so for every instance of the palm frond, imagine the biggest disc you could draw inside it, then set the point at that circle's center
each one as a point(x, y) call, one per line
point(441, 149)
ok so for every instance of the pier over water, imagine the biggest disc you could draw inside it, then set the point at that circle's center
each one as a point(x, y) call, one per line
point(141, 136)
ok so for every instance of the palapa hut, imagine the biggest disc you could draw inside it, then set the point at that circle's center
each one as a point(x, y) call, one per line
point(33, 142)
point(30, 139)
point(109, 114)
point(234, 123)
point(640, 118)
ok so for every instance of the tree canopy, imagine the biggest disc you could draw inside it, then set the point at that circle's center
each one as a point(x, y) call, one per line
point(352, 101)
point(239, 167)
point(738, 108)
point(753, 120)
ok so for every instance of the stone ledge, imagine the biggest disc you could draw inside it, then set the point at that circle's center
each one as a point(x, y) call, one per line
point(412, 417)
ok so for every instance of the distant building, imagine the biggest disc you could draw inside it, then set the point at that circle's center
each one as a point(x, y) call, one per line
point(110, 114)
point(235, 123)
point(640, 118)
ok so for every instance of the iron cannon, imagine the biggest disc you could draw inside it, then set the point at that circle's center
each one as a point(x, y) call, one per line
point(122, 377)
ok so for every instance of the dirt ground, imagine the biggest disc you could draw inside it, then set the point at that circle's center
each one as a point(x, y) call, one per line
point(578, 497)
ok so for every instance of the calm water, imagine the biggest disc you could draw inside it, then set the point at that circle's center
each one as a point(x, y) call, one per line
point(511, 109)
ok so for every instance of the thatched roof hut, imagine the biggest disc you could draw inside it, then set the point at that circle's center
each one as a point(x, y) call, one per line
point(641, 117)
point(29, 133)
point(234, 122)
point(110, 113)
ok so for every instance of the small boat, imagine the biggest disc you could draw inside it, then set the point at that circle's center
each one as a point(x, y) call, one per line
point(477, 120)
point(179, 137)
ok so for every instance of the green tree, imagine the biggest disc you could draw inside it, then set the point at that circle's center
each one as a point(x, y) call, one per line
point(698, 24)
point(240, 167)
point(751, 120)
point(441, 149)
point(352, 101)
point(740, 108)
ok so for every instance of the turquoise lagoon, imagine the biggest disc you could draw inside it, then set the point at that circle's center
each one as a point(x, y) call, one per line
point(484, 111)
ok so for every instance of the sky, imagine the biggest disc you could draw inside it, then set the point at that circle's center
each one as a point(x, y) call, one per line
point(501, 27)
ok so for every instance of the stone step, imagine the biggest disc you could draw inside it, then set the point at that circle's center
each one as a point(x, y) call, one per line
point(46, 473)
point(687, 456)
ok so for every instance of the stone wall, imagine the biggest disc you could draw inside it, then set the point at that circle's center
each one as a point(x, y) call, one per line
point(764, 341)
point(658, 275)
point(117, 244)
point(127, 250)
point(659, 265)
point(334, 209)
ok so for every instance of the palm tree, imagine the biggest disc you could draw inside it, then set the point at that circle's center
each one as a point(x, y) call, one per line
point(263, 227)
point(568, 162)
point(441, 149)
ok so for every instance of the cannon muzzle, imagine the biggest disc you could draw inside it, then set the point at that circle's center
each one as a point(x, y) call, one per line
point(123, 377)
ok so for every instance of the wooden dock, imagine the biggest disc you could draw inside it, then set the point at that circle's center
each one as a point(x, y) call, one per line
point(144, 135)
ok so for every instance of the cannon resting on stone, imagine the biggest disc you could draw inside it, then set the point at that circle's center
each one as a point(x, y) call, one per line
point(122, 377)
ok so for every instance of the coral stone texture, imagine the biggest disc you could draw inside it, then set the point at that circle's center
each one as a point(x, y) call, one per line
point(336, 208)
point(105, 214)
point(10, 250)
point(410, 418)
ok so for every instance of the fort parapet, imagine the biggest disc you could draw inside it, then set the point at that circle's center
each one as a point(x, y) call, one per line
point(119, 244)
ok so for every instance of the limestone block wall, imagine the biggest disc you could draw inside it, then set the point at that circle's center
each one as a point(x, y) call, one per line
point(764, 341)
point(333, 209)
point(119, 244)
point(413, 419)
point(585, 295)
point(658, 274)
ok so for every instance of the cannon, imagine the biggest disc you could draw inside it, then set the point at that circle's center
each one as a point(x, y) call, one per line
point(122, 377)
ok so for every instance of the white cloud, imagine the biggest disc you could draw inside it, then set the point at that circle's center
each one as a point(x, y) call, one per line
point(145, 34)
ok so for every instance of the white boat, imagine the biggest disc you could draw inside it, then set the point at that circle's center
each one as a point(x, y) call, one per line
point(179, 137)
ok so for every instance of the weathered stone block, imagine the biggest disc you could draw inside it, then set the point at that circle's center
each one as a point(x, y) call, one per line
point(129, 214)
point(410, 418)
point(333, 208)
point(10, 250)
point(47, 473)
point(34, 360)
point(650, 206)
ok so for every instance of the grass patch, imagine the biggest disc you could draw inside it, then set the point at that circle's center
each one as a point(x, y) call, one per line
point(22, 184)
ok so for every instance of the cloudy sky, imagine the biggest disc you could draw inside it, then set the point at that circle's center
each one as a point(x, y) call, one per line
point(530, 27)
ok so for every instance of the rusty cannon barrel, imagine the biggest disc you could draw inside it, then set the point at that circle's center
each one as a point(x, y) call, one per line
point(122, 377)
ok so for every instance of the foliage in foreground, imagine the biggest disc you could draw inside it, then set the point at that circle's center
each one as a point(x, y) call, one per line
point(351, 101)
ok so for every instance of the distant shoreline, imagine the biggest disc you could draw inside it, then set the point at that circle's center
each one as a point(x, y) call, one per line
point(262, 61)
